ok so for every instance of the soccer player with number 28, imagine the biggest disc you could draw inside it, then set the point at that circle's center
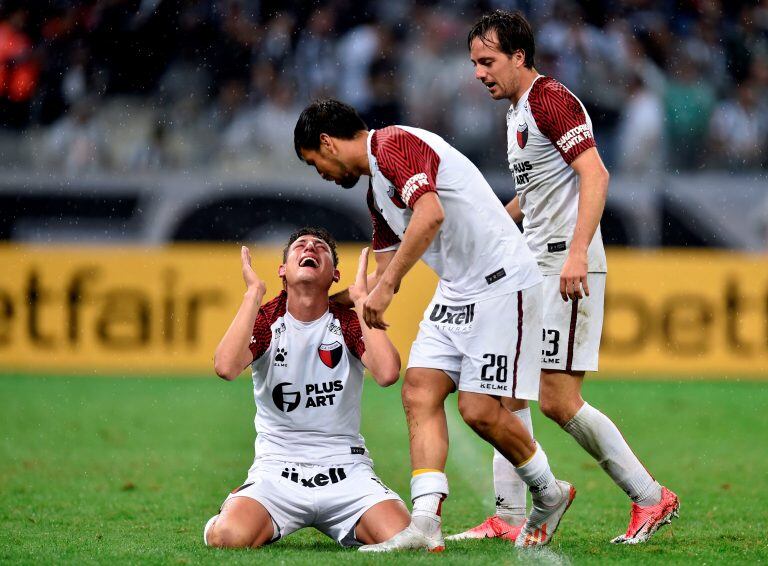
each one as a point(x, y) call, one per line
point(561, 188)
point(428, 201)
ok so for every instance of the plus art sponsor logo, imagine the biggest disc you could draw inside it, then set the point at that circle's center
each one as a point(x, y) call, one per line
point(521, 170)
point(321, 394)
point(286, 401)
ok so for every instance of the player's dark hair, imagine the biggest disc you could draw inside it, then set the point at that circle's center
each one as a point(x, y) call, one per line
point(512, 29)
point(325, 116)
point(321, 233)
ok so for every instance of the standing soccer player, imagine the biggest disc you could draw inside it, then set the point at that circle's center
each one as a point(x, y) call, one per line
point(429, 201)
point(307, 354)
point(561, 188)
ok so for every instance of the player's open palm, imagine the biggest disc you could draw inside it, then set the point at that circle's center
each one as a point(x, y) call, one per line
point(358, 291)
point(252, 281)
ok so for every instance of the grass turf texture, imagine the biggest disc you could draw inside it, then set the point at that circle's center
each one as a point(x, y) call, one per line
point(99, 470)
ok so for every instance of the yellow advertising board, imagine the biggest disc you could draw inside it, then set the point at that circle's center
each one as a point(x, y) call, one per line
point(163, 310)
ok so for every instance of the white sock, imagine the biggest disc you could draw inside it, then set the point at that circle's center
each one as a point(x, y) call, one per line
point(207, 528)
point(428, 490)
point(597, 434)
point(510, 489)
point(538, 476)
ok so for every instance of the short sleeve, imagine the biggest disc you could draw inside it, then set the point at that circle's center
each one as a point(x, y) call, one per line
point(407, 161)
point(350, 329)
point(561, 118)
point(261, 337)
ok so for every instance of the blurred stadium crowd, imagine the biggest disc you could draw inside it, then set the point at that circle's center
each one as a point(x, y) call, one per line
point(115, 85)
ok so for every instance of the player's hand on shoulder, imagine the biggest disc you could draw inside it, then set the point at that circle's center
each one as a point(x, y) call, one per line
point(573, 278)
point(374, 306)
point(252, 281)
point(358, 291)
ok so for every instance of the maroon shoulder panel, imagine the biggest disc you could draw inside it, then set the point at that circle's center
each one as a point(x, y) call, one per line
point(350, 328)
point(560, 117)
point(407, 161)
point(262, 327)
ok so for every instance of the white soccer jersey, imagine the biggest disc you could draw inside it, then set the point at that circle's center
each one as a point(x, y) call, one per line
point(546, 130)
point(307, 382)
point(478, 252)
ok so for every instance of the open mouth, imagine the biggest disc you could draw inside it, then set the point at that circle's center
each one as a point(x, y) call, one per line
point(309, 262)
point(489, 86)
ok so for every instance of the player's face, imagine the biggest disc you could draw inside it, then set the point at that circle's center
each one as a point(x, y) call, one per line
point(309, 260)
point(499, 72)
point(329, 166)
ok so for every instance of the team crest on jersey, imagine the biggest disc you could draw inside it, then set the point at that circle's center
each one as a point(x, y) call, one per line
point(394, 197)
point(330, 354)
point(522, 134)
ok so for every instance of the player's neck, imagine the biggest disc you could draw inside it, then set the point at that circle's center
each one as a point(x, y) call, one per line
point(527, 76)
point(306, 302)
point(359, 149)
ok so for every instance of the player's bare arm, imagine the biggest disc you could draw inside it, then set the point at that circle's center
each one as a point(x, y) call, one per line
point(380, 357)
point(382, 260)
point(593, 189)
point(232, 355)
point(514, 210)
point(428, 216)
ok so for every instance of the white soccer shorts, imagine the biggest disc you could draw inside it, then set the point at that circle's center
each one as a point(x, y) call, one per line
point(572, 330)
point(492, 346)
point(330, 498)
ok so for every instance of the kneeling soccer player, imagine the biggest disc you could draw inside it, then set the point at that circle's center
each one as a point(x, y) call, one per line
point(307, 354)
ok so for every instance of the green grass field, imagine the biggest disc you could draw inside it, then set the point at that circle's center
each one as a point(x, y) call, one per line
point(125, 470)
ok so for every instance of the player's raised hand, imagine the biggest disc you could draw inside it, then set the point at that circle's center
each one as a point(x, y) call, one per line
point(252, 281)
point(375, 304)
point(573, 278)
point(358, 291)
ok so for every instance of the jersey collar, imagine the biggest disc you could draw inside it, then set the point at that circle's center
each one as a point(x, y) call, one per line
point(300, 323)
point(524, 98)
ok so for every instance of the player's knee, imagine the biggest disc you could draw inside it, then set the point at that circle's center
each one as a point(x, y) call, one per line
point(415, 397)
point(225, 535)
point(556, 410)
point(479, 415)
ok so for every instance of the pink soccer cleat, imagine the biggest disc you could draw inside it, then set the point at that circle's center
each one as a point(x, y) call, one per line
point(492, 527)
point(644, 521)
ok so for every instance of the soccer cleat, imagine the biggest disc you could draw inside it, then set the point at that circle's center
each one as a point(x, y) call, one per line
point(409, 538)
point(644, 521)
point(492, 527)
point(541, 525)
